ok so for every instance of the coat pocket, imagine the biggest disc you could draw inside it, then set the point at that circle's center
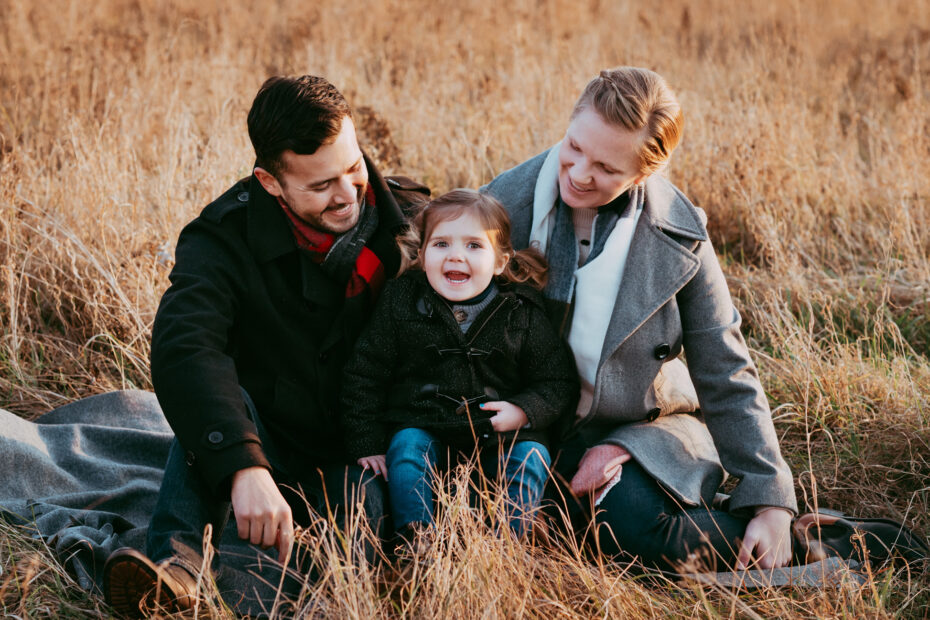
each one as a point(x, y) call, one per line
point(672, 391)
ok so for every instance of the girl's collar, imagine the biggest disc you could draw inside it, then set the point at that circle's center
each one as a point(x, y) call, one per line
point(477, 299)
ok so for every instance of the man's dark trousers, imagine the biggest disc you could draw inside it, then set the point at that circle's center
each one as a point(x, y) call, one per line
point(186, 505)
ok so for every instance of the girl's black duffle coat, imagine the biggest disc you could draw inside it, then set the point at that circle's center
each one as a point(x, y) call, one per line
point(413, 367)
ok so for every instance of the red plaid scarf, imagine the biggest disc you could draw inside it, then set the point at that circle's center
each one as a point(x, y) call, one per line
point(368, 271)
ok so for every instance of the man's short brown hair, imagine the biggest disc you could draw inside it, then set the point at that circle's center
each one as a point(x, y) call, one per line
point(298, 114)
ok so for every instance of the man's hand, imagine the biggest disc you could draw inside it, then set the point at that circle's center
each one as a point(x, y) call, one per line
point(767, 538)
point(376, 463)
point(598, 465)
point(509, 417)
point(263, 517)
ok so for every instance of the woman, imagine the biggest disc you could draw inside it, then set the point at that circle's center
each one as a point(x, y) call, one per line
point(634, 282)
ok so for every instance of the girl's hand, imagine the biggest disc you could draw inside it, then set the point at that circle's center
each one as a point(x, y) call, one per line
point(509, 417)
point(376, 463)
point(597, 467)
point(767, 538)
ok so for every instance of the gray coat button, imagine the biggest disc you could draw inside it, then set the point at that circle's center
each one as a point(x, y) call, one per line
point(215, 437)
point(243, 196)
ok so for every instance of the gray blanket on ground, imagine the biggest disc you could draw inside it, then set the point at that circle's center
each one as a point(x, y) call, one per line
point(86, 476)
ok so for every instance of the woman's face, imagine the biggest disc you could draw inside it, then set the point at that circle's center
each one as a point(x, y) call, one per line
point(597, 161)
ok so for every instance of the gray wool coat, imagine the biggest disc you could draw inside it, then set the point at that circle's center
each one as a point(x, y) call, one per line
point(686, 425)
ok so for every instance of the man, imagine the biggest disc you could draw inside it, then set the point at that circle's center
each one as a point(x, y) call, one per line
point(272, 284)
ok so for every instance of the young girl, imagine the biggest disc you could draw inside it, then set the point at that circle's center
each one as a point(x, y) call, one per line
point(458, 354)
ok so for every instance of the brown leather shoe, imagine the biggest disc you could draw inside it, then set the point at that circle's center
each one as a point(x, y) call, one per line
point(135, 586)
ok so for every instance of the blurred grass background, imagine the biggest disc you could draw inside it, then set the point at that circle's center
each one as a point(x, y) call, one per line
point(807, 141)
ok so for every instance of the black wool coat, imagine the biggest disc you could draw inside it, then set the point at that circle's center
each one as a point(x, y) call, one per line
point(247, 307)
point(413, 367)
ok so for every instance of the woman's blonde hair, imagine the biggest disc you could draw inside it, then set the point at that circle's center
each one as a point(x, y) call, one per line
point(522, 266)
point(640, 101)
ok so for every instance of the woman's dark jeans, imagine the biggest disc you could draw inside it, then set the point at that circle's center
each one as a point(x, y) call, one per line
point(638, 518)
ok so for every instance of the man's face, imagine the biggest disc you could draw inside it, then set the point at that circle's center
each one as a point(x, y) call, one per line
point(325, 188)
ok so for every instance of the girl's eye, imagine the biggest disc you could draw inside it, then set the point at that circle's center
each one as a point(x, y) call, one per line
point(608, 170)
point(439, 244)
point(574, 146)
point(474, 245)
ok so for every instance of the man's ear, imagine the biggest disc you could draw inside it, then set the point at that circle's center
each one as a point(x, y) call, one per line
point(268, 181)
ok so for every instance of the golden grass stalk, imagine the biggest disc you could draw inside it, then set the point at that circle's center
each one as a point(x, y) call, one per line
point(807, 141)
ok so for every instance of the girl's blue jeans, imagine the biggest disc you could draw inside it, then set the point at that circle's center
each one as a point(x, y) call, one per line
point(415, 455)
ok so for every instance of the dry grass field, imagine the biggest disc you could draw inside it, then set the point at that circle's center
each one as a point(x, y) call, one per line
point(807, 141)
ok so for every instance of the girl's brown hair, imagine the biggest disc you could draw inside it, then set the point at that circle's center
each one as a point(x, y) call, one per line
point(522, 266)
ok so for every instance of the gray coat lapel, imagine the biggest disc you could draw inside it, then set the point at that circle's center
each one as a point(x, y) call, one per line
point(658, 265)
point(521, 220)
point(515, 188)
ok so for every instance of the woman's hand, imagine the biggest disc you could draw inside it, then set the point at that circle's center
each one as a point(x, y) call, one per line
point(376, 463)
point(509, 417)
point(598, 465)
point(767, 538)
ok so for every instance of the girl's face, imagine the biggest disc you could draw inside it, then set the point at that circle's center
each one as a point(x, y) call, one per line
point(460, 259)
point(597, 161)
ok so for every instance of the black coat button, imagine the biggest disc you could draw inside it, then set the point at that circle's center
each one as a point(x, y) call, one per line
point(215, 437)
point(324, 357)
point(189, 458)
point(243, 196)
point(662, 351)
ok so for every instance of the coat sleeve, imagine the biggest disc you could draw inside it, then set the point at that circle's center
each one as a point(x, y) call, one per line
point(367, 380)
point(732, 400)
point(194, 376)
point(548, 373)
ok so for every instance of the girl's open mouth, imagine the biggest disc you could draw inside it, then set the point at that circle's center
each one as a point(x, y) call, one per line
point(456, 276)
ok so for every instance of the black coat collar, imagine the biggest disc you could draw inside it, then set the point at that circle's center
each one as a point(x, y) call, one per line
point(270, 236)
